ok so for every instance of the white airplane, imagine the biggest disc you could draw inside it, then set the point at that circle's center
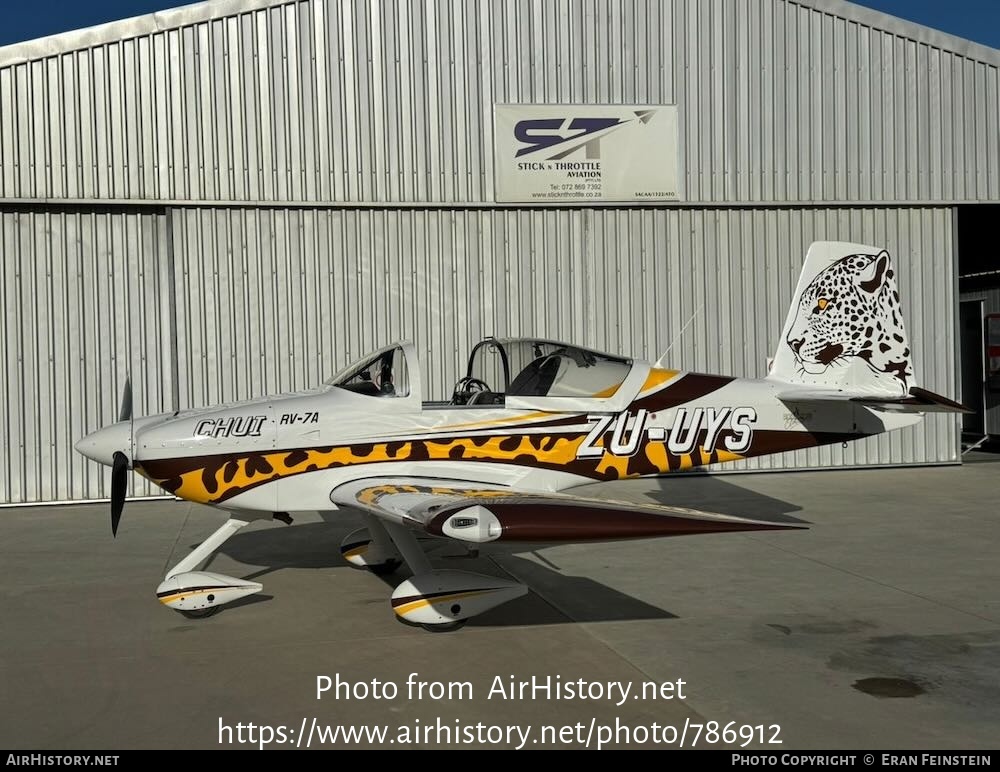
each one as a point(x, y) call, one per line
point(529, 420)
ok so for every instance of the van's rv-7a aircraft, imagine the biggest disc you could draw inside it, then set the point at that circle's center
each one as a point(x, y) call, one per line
point(529, 420)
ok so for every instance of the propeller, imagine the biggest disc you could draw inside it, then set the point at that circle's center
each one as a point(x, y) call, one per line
point(120, 462)
point(119, 487)
point(125, 412)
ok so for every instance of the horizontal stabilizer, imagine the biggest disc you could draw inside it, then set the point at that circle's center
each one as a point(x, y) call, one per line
point(918, 400)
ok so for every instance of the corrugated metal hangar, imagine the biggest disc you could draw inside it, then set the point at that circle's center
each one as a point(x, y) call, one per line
point(239, 197)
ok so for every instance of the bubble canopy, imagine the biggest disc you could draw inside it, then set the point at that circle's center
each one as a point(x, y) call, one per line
point(499, 371)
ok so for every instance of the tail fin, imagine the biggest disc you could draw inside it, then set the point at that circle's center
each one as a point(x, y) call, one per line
point(845, 328)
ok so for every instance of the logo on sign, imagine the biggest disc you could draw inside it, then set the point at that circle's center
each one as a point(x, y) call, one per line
point(566, 136)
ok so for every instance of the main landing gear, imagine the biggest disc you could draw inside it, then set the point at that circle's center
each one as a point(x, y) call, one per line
point(437, 600)
point(199, 594)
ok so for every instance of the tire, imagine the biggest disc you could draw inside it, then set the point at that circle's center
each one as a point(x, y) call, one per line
point(202, 613)
point(447, 627)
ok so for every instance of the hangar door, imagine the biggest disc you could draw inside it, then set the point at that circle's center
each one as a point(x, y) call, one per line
point(85, 303)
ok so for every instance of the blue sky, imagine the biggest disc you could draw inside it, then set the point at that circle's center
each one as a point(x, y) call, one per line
point(977, 20)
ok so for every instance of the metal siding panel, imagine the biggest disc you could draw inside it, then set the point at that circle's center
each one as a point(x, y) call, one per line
point(9, 463)
point(22, 112)
point(37, 126)
point(131, 120)
point(825, 169)
point(381, 114)
point(982, 141)
point(966, 128)
point(741, 161)
point(173, 178)
point(934, 186)
point(115, 139)
point(187, 137)
point(878, 112)
point(948, 127)
point(912, 116)
point(349, 104)
point(244, 107)
point(145, 98)
point(205, 128)
point(86, 293)
point(861, 101)
point(401, 174)
point(841, 117)
point(55, 141)
point(992, 129)
point(10, 346)
point(810, 81)
point(776, 157)
point(263, 139)
point(8, 152)
point(293, 107)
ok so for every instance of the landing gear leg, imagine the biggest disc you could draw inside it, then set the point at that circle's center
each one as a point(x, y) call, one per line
point(408, 546)
point(371, 548)
point(418, 562)
point(199, 594)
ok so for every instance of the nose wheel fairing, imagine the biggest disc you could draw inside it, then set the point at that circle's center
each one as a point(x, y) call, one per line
point(201, 593)
point(197, 591)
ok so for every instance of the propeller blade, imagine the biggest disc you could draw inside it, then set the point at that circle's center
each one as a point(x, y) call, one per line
point(119, 486)
point(125, 413)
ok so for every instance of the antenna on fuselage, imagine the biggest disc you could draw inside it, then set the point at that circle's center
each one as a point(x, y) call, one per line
point(661, 362)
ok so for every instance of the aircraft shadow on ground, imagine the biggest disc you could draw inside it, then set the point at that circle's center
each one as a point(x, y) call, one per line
point(704, 491)
point(556, 597)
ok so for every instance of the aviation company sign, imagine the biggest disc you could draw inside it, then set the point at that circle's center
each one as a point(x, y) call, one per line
point(586, 153)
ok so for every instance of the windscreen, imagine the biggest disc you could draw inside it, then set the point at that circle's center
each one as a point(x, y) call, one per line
point(383, 374)
point(545, 369)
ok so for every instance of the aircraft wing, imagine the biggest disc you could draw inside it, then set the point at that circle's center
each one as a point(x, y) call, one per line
point(492, 513)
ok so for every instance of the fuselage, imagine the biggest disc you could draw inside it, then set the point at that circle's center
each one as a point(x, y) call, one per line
point(288, 453)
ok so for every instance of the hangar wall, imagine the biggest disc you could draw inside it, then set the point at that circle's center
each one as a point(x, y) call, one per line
point(268, 300)
point(239, 196)
point(369, 101)
point(86, 299)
